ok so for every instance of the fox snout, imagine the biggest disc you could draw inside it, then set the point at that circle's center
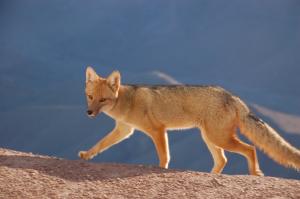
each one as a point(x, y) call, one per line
point(89, 112)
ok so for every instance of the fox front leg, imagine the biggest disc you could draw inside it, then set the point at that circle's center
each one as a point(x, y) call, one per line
point(160, 140)
point(85, 155)
point(120, 132)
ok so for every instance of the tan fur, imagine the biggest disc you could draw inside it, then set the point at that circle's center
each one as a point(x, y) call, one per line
point(267, 139)
point(156, 109)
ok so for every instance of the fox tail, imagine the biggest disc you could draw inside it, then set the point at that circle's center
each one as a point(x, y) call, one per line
point(267, 139)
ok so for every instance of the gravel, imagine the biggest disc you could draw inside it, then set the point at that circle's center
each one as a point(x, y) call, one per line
point(25, 175)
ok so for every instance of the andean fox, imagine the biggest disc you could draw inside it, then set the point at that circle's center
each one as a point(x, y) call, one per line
point(156, 109)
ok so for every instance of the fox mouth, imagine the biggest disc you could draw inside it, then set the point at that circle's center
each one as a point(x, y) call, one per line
point(92, 116)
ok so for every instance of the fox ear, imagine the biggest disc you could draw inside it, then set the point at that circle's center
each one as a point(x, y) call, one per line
point(91, 75)
point(114, 80)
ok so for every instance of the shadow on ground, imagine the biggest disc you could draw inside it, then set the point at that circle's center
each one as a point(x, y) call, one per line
point(78, 170)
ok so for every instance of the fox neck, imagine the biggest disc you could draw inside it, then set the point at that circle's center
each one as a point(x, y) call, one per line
point(119, 109)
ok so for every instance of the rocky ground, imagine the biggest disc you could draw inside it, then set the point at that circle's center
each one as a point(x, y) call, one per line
point(24, 175)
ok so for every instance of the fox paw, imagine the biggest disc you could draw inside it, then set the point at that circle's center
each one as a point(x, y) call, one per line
point(84, 155)
point(258, 173)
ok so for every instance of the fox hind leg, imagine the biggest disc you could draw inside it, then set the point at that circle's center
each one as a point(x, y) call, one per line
point(218, 155)
point(248, 151)
point(230, 142)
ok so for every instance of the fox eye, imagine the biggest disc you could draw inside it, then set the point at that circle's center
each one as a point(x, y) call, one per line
point(102, 100)
point(90, 97)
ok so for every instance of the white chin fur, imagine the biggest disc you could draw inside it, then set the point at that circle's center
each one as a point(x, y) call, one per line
point(91, 116)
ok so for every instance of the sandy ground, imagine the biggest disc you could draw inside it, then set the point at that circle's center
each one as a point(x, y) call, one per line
point(24, 175)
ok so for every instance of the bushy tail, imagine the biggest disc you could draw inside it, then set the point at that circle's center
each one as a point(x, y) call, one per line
point(267, 139)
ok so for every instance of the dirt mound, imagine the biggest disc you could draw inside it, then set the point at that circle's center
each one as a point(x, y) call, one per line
point(24, 175)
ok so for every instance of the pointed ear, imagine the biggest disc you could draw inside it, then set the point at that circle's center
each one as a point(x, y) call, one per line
point(114, 80)
point(90, 74)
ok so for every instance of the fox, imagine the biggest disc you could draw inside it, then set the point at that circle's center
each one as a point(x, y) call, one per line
point(155, 109)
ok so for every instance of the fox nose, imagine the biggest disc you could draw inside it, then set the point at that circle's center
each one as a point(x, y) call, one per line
point(89, 112)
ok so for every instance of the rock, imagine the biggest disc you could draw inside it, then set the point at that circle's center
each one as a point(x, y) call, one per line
point(25, 175)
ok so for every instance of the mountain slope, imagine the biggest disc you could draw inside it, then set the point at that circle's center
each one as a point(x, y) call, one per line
point(24, 175)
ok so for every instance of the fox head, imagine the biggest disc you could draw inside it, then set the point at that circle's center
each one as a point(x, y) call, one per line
point(101, 93)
